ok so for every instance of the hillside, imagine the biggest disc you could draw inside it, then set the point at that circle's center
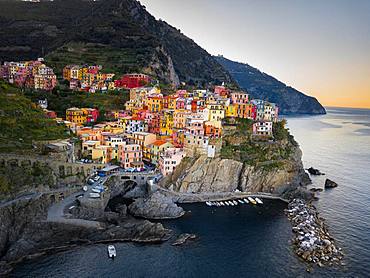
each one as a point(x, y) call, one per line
point(119, 34)
point(21, 122)
point(263, 86)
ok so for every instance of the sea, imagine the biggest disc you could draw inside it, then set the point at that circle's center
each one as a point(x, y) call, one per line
point(250, 241)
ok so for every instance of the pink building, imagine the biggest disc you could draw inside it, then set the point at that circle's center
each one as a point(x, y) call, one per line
point(195, 127)
point(131, 156)
point(221, 91)
point(262, 129)
point(180, 103)
point(170, 159)
point(239, 97)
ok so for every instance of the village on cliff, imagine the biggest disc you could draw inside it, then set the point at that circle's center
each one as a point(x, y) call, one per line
point(153, 128)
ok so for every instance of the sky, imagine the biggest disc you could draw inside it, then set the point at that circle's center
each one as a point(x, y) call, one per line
point(320, 47)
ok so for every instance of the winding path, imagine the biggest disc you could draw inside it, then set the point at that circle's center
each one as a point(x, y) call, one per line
point(56, 214)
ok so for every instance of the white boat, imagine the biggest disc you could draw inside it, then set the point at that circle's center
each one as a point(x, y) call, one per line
point(94, 195)
point(232, 203)
point(246, 201)
point(208, 204)
point(95, 190)
point(258, 200)
point(222, 203)
point(235, 202)
point(240, 201)
point(112, 252)
point(252, 200)
point(227, 203)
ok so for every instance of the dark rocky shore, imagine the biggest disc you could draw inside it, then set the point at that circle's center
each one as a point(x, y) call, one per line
point(25, 234)
point(312, 241)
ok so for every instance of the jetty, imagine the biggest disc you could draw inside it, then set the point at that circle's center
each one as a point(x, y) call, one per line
point(181, 197)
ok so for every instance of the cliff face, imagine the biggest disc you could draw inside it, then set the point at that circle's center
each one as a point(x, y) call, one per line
point(263, 86)
point(226, 175)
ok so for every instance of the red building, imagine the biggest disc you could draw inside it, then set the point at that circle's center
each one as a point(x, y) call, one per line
point(221, 91)
point(50, 114)
point(130, 81)
point(92, 115)
point(212, 131)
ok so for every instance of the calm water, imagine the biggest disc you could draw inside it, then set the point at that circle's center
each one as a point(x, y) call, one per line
point(249, 241)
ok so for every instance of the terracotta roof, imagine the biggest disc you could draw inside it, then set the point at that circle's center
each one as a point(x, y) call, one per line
point(159, 142)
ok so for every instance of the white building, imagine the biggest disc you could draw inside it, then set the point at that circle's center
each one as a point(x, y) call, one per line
point(262, 128)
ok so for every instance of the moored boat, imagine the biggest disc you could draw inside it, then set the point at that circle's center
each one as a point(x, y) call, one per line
point(246, 201)
point(252, 200)
point(241, 201)
point(235, 202)
point(112, 252)
point(258, 200)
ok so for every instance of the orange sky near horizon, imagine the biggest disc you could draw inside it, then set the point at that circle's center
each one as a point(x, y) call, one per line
point(321, 48)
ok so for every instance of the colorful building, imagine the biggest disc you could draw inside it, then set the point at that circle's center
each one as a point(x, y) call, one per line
point(130, 81)
point(170, 159)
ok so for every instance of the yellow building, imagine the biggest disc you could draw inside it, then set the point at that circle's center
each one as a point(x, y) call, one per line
point(231, 111)
point(155, 104)
point(101, 154)
point(76, 115)
point(216, 112)
point(166, 123)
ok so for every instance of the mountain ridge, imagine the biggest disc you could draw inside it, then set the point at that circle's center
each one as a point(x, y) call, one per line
point(264, 86)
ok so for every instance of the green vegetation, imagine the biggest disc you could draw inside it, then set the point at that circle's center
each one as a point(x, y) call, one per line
point(268, 155)
point(114, 60)
point(59, 100)
point(280, 132)
point(120, 35)
point(14, 178)
point(22, 122)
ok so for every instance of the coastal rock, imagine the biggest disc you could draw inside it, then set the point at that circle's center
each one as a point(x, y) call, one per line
point(316, 189)
point(24, 231)
point(157, 206)
point(209, 175)
point(314, 172)
point(312, 241)
point(330, 184)
point(204, 175)
point(183, 238)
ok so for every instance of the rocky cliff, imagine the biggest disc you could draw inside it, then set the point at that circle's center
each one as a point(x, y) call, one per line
point(24, 232)
point(204, 174)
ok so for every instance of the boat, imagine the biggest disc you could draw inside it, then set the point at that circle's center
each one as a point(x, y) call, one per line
point(246, 201)
point(112, 252)
point(258, 200)
point(235, 202)
point(241, 201)
point(252, 200)
point(232, 203)
point(227, 203)
point(222, 203)
point(208, 204)
point(94, 195)
point(95, 190)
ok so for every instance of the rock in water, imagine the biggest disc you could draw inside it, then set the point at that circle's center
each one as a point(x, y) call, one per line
point(157, 206)
point(330, 184)
point(183, 238)
point(314, 172)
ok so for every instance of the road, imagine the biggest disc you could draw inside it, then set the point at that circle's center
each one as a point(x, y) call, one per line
point(56, 213)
